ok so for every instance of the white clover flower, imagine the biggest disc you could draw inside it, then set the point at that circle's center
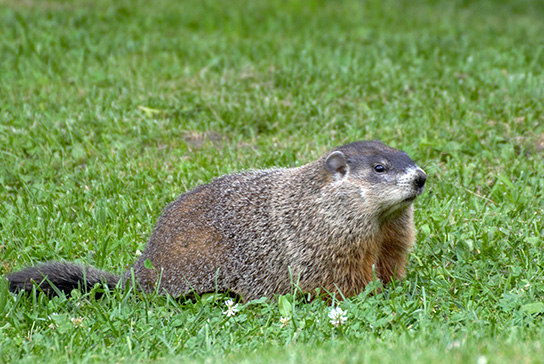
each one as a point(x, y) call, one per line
point(454, 345)
point(482, 359)
point(231, 308)
point(77, 321)
point(284, 321)
point(337, 316)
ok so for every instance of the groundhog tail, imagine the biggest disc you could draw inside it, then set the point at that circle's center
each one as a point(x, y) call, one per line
point(64, 276)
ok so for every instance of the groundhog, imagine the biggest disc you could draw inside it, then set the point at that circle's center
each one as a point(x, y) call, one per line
point(332, 224)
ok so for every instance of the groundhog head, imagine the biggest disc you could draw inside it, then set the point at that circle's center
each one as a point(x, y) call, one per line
point(384, 177)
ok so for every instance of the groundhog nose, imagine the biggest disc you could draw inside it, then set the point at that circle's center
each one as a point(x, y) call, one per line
point(420, 179)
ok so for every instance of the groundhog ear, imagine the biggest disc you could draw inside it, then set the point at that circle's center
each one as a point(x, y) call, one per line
point(336, 163)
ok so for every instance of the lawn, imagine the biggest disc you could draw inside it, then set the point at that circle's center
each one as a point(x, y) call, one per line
point(111, 109)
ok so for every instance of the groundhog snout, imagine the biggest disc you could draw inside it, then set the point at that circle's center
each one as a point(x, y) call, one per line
point(420, 179)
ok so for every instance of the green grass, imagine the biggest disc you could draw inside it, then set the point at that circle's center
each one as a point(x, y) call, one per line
point(109, 110)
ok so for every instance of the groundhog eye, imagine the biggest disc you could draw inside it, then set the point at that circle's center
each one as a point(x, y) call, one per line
point(379, 168)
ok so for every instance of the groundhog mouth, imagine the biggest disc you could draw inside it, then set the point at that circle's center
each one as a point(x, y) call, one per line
point(398, 206)
point(412, 197)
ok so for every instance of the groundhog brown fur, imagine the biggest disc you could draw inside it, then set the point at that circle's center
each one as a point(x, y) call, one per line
point(332, 224)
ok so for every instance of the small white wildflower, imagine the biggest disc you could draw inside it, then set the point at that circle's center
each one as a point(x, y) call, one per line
point(231, 308)
point(284, 321)
point(138, 252)
point(453, 345)
point(482, 359)
point(77, 321)
point(337, 316)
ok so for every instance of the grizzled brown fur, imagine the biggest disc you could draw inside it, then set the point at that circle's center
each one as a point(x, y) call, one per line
point(326, 224)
